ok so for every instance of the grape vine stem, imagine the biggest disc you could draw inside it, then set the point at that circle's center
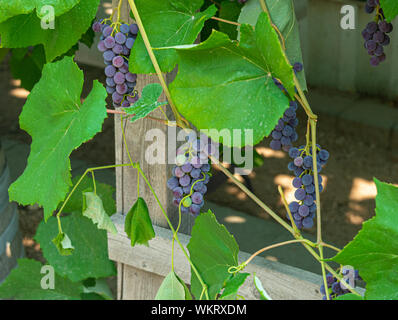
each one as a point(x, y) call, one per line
point(155, 63)
point(226, 21)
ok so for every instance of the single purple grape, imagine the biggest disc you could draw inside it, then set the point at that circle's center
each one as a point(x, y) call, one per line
point(109, 42)
point(117, 98)
point(172, 183)
point(101, 46)
point(125, 28)
point(133, 28)
point(119, 78)
point(110, 90)
point(185, 180)
point(117, 49)
point(197, 197)
point(294, 206)
point(97, 27)
point(130, 43)
point(298, 161)
point(118, 61)
point(300, 194)
point(120, 38)
point(108, 55)
point(110, 82)
point(303, 210)
point(121, 88)
point(110, 71)
point(107, 31)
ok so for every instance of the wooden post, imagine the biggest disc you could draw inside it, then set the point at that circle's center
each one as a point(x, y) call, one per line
point(134, 283)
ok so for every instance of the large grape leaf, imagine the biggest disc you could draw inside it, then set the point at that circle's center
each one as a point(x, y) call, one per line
point(167, 23)
point(374, 251)
point(13, 8)
point(225, 85)
point(390, 8)
point(26, 64)
point(283, 16)
point(90, 256)
point(25, 29)
point(213, 250)
point(24, 283)
point(58, 123)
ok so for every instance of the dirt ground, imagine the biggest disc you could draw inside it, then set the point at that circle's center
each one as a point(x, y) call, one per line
point(358, 153)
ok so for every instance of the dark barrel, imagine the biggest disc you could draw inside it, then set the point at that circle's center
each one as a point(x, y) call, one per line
point(11, 247)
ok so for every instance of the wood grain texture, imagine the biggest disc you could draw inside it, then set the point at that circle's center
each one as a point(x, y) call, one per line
point(134, 283)
point(281, 281)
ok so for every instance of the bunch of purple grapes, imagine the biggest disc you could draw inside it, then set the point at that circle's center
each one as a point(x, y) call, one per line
point(191, 174)
point(375, 33)
point(116, 43)
point(284, 133)
point(303, 210)
point(335, 287)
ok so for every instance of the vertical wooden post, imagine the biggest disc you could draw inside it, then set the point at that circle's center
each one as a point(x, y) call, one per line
point(132, 282)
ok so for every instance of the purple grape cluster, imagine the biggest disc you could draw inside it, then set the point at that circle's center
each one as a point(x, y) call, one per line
point(335, 287)
point(116, 43)
point(284, 133)
point(191, 174)
point(375, 33)
point(303, 210)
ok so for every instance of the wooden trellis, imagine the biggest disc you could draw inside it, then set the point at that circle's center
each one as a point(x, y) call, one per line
point(141, 270)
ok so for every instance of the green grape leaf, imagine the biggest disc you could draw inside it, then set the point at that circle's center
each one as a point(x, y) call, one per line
point(3, 53)
point(171, 289)
point(259, 286)
point(284, 17)
point(58, 123)
point(231, 288)
point(100, 288)
point(138, 224)
point(13, 8)
point(25, 30)
point(213, 250)
point(229, 11)
point(374, 250)
point(147, 103)
point(188, 295)
point(24, 283)
point(349, 296)
point(90, 257)
point(224, 86)
point(104, 191)
point(167, 23)
point(27, 65)
point(63, 244)
point(390, 9)
point(93, 209)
